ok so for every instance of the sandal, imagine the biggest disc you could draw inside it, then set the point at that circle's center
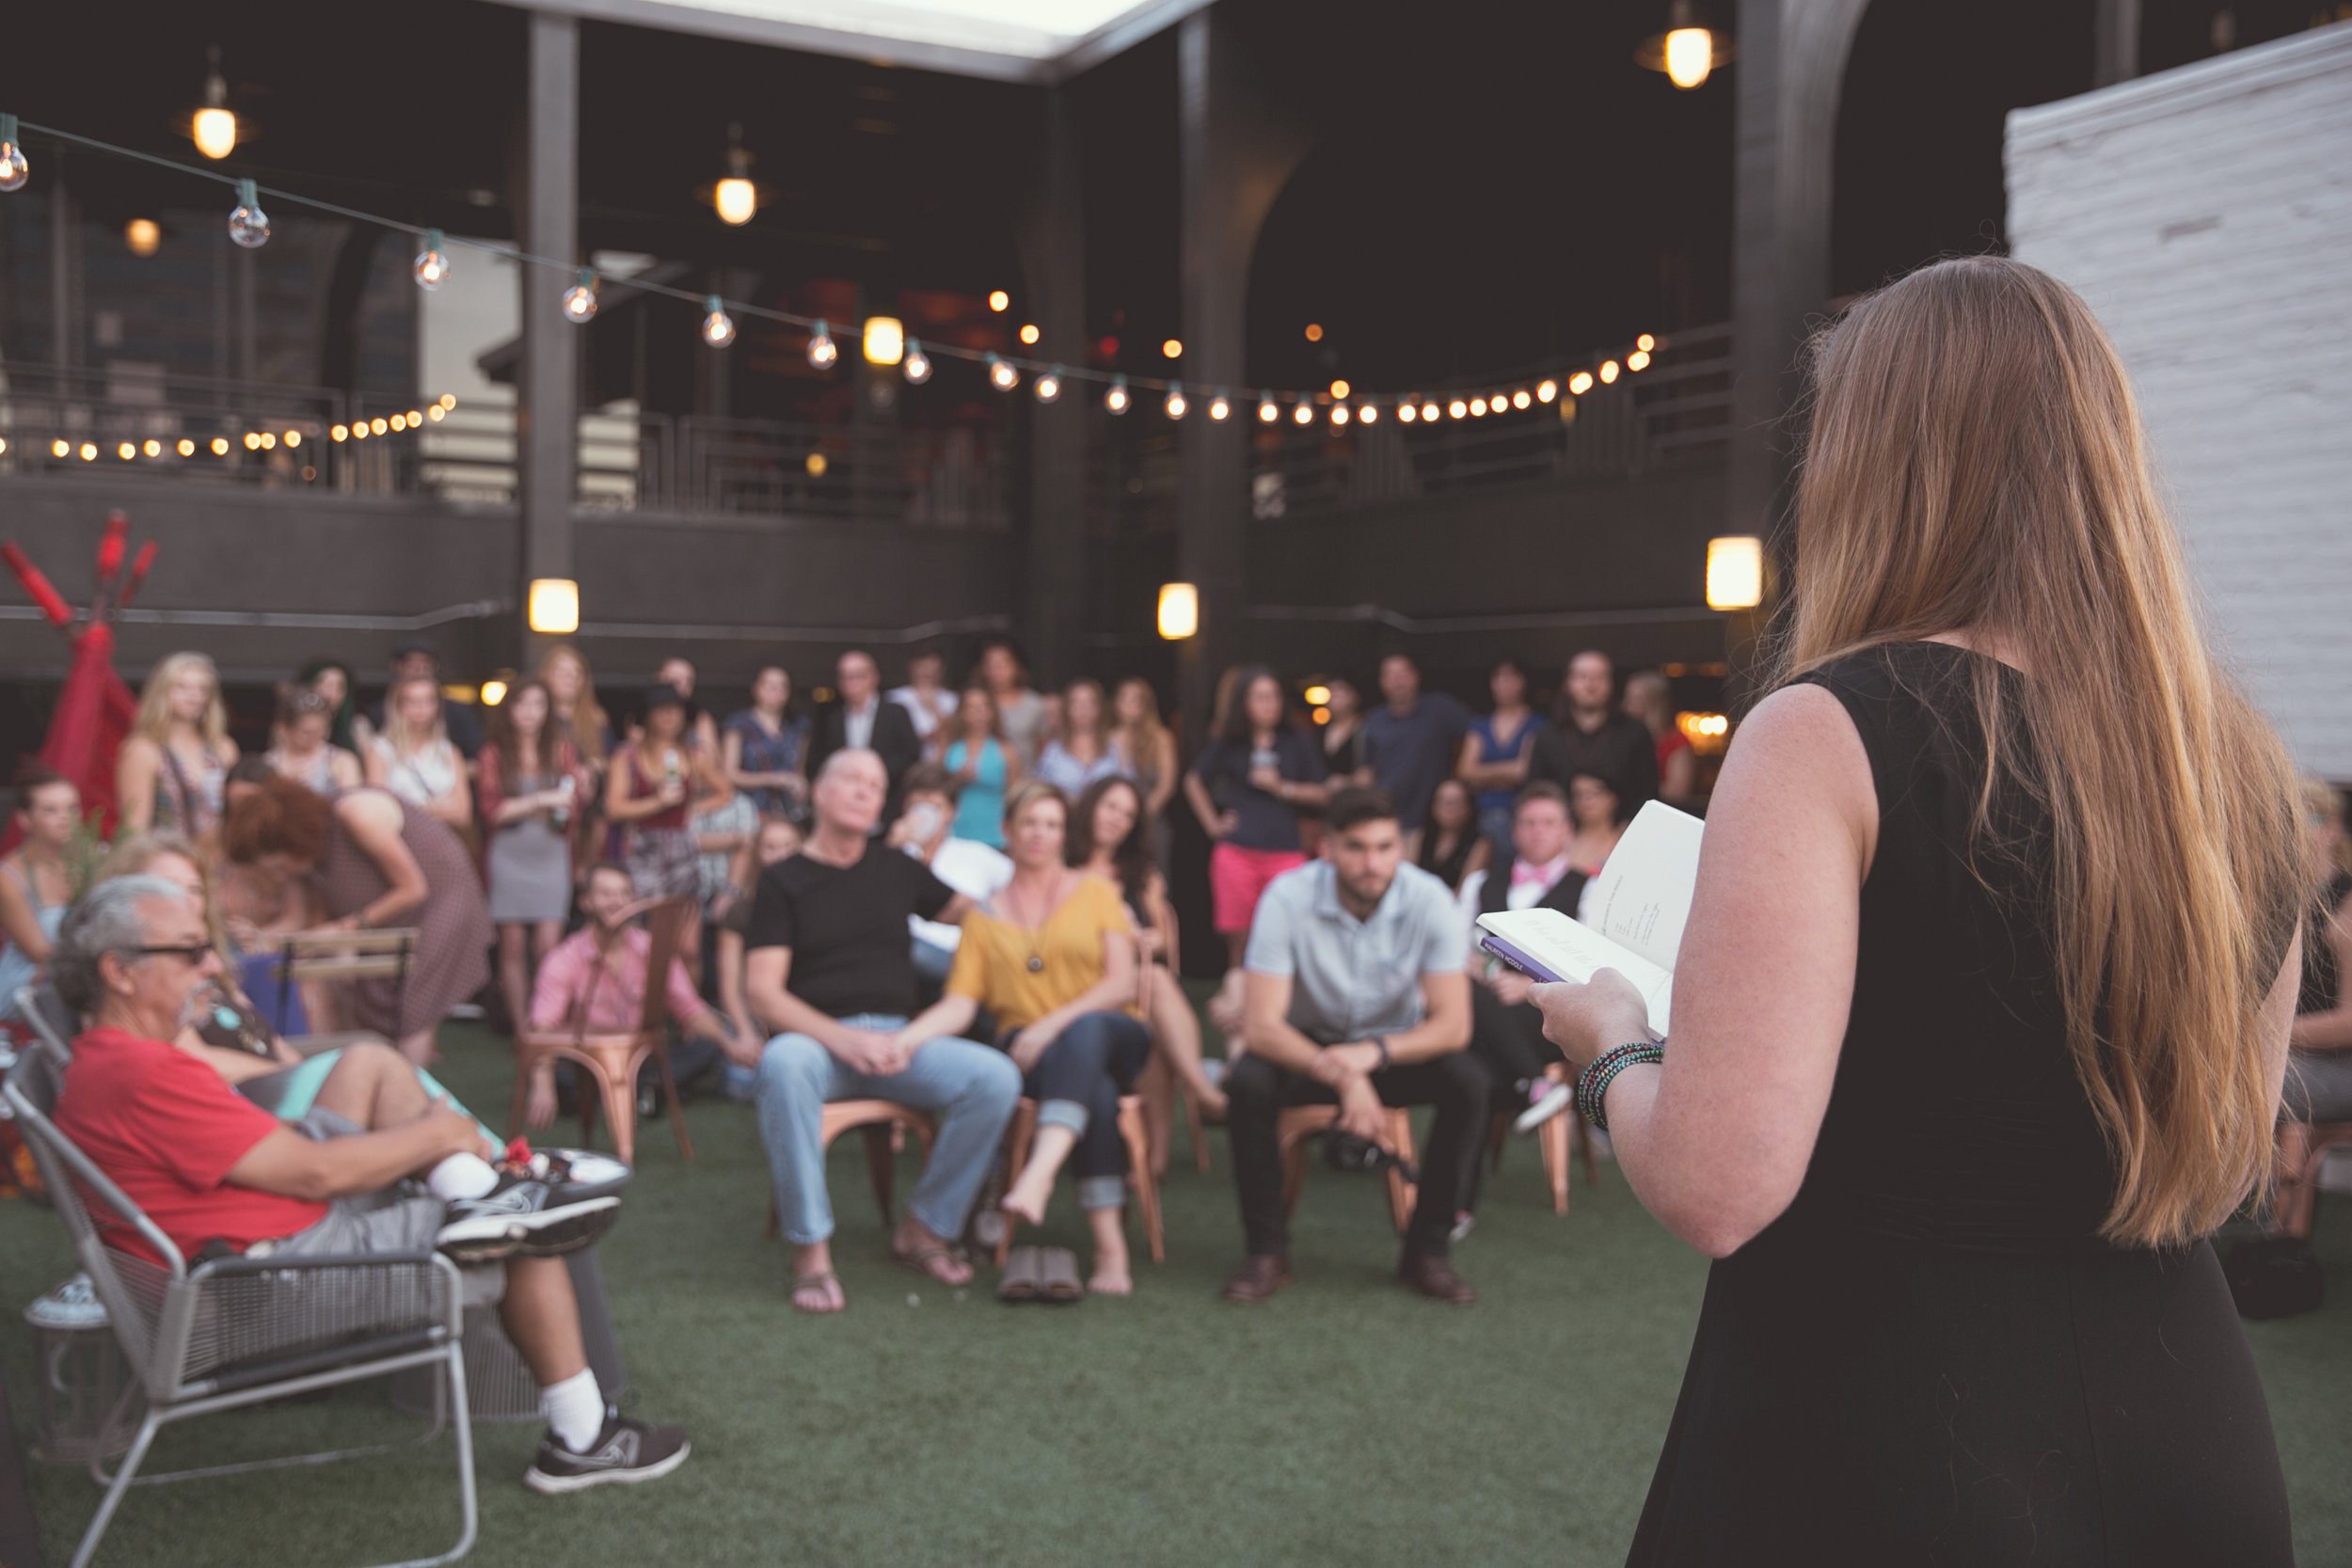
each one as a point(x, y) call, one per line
point(825, 1280)
point(922, 1258)
point(1057, 1276)
point(1019, 1280)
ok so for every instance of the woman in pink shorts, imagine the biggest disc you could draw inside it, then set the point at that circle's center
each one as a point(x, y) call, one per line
point(1247, 787)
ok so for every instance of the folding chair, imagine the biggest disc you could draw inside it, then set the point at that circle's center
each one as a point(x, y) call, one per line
point(53, 1021)
point(240, 1331)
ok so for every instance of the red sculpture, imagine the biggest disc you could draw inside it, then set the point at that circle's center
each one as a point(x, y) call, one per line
point(94, 707)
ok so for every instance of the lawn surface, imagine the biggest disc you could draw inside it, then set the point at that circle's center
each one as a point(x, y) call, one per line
point(1345, 1421)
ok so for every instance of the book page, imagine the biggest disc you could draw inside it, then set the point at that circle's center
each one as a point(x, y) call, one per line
point(1575, 952)
point(1642, 898)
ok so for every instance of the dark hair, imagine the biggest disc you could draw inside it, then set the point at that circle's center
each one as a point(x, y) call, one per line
point(1543, 789)
point(1512, 662)
point(340, 731)
point(277, 817)
point(502, 736)
point(251, 768)
point(1131, 857)
point(662, 694)
point(1237, 727)
point(1010, 646)
point(1355, 805)
point(1622, 812)
point(33, 778)
point(1562, 711)
point(928, 778)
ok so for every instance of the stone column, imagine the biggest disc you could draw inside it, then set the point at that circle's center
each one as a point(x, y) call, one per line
point(547, 402)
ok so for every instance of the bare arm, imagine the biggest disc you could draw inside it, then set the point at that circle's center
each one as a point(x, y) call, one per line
point(375, 770)
point(135, 767)
point(455, 805)
point(765, 969)
point(1116, 989)
point(17, 920)
point(2331, 1030)
point(286, 1163)
point(1196, 796)
point(949, 1016)
point(375, 825)
point(1163, 776)
point(1683, 772)
point(1444, 1028)
point(1496, 775)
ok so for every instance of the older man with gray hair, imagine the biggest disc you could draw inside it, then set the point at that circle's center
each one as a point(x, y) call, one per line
point(214, 1171)
point(828, 968)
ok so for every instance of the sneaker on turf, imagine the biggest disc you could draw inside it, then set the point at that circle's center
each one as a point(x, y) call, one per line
point(1555, 1100)
point(524, 1213)
point(626, 1451)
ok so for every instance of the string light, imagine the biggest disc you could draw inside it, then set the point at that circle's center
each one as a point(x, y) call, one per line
point(1429, 413)
point(1220, 407)
point(1315, 333)
point(1340, 389)
point(187, 448)
point(1645, 342)
point(1456, 409)
point(248, 226)
point(1368, 413)
point(718, 326)
point(1519, 399)
point(213, 127)
point(220, 446)
point(1338, 413)
point(14, 171)
point(1581, 383)
point(432, 266)
point(579, 300)
point(1546, 391)
point(1172, 349)
point(1637, 360)
point(1028, 333)
point(1406, 412)
point(884, 339)
point(1116, 399)
point(999, 301)
point(1003, 375)
point(1175, 404)
point(1608, 371)
point(1303, 414)
point(735, 199)
point(822, 351)
point(142, 237)
point(1268, 411)
point(1049, 385)
point(1478, 408)
point(917, 365)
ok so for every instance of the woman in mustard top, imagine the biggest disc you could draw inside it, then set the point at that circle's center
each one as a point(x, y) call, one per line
point(1053, 957)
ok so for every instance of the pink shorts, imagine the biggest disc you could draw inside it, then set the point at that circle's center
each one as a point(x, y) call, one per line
point(1237, 877)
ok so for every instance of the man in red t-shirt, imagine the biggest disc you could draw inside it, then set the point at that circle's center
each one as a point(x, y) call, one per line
point(212, 1169)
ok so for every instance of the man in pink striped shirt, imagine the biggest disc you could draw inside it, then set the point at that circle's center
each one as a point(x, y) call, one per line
point(600, 972)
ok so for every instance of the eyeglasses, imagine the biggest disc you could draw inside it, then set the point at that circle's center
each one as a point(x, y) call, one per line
point(193, 954)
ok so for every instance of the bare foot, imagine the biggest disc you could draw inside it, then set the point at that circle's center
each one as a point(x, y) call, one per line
point(1025, 1205)
point(818, 1293)
point(1110, 1279)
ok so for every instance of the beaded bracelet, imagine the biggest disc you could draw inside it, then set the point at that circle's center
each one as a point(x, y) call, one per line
point(1592, 1085)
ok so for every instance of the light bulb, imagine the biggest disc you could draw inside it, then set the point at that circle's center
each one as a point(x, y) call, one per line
point(1176, 404)
point(1338, 413)
point(1608, 371)
point(1116, 399)
point(248, 226)
point(1429, 413)
point(579, 300)
point(432, 265)
point(1028, 333)
point(916, 365)
point(1637, 360)
point(1519, 399)
point(1689, 57)
point(215, 133)
point(822, 351)
point(1368, 413)
point(1406, 412)
point(142, 237)
point(1478, 408)
point(1001, 375)
point(1220, 407)
point(1547, 391)
point(999, 301)
point(1268, 412)
point(1581, 383)
point(1049, 385)
point(1456, 409)
point(1172, 349)
point(736, 199)
point(718, 326)
point(1303, 414)
point(884, 340)
point(1645, 342)
point(1340, 388)
point(14, 171)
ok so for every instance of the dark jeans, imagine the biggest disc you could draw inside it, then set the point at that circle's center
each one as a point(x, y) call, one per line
point(1076, 1084)
point(1509, 1039)
point(1257, 1090)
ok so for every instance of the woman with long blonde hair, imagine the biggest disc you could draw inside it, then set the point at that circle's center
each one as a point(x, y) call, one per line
point(175, 762)
point(414, 756)
point(1981, 1010)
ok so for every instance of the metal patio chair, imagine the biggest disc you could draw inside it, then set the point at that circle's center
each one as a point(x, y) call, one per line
point(238, 1331)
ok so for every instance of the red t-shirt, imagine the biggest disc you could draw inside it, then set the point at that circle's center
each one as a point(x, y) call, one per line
point(165, 1130)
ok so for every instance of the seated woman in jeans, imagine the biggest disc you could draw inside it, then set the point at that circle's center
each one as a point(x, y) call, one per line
point(1053, 956)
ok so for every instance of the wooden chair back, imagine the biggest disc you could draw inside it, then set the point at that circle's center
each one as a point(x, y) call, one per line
point(323, 956)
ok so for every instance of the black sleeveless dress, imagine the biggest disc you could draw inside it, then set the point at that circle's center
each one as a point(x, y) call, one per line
point(1931, 1358)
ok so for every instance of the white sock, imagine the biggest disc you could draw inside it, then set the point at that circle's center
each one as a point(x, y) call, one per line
point(461, 1176)
point(575, 1409)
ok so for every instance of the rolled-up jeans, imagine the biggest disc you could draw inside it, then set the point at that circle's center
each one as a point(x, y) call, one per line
point(1077, 1082)
point(969, 1086)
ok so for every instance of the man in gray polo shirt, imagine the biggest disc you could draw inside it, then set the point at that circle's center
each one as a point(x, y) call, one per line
point(1356, 995)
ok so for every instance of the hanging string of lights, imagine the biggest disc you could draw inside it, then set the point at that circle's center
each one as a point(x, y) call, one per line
point(883, 339)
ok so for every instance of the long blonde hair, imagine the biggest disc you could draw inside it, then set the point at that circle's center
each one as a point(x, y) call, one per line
point(1143, 733)
point(1976, 463)
point(406, 739)
point(154, 719)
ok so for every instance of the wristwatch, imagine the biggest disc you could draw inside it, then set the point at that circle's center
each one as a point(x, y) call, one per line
point(1382, 1042)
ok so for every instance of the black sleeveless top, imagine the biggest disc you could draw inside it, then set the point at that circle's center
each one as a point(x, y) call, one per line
point(1930, 1357)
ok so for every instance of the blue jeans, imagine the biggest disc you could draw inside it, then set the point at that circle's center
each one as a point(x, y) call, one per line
point(1077, 1082)
point(970, 1087)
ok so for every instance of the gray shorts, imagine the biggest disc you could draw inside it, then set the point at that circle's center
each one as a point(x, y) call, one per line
point(402, 1217)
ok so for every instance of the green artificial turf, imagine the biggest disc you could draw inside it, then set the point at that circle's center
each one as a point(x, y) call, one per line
point(1343, 1421)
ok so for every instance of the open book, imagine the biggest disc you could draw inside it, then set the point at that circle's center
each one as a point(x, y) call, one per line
point(1639, 903)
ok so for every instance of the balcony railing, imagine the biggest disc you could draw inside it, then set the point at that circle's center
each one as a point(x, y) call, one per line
point(135, 422)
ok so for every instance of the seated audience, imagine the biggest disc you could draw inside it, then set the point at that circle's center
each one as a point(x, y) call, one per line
point(1106, 840)
point(212, 1169)
point(1147, 754)
point(1083, 751)
point(926, 830)
point(174, 764)
point(1357, 997)
point(532, 781)
point(764, 749)
point(972, 750)
point(1410, 744)
point(413, 757)
point(776, 839)
point(414, 658)
point(828, 970)
point(926, 696)
point(305, 752)
point(1506, 1031)
point(1496, 751)
point(1247, 787)
point(594, 982)
point(1025, 718)
point(1588, 735)
point(377, 861)
point(1052, 956)
point(1453, 847)
point(1649, 697)
point(2319, 1061)
point(35, 885)
point(864, 721)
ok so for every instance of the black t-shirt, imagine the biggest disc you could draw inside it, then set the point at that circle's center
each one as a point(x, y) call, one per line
point(847, 927)
point(1621, 751)
point(1262, 821)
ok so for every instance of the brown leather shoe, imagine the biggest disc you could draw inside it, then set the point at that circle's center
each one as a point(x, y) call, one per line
point(1260, 1275)
point(1435, 1278)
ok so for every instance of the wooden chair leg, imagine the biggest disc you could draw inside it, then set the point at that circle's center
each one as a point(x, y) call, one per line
point(2298, 1180)
point(522, 1088)
point(878, 1165)
point(1402, 1195)
point(1294, 1173)
point(1147, 1186)
point(1553, 1139)
point(1498, 1135)
point(677, 1106)
point(620, 1109)
point(1155, 1084)
point(1583, 1136)
point(1192, 1125)
point(588, 1088)
point(1017, 1139)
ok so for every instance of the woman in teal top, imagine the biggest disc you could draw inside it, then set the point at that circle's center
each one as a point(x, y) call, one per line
point(983, 767)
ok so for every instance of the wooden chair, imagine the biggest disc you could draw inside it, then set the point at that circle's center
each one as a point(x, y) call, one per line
point(612, 1060)
point(2303, 1146)
point(320, 957)
point(1296, 1125)
point(887, 1124)
point(1161, 1089)
point(1553, 1140)
point(1023, 1131)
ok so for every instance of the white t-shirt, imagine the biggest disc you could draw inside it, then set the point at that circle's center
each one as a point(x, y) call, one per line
point(927, 716)
point(972, 869)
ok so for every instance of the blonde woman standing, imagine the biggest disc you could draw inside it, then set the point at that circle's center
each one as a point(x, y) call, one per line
point(1981, 1010)
point(415, 758)
point(173, 764)
point(1147, 753)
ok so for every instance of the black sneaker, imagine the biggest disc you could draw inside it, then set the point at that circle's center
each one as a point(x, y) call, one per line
point(523, 1213)
point(626, 1451)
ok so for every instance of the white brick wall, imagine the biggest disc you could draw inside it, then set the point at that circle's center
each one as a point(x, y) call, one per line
point(2206, 214)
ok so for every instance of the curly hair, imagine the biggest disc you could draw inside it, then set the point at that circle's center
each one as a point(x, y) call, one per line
point(277, 817)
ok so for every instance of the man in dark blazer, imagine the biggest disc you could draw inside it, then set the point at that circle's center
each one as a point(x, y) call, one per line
point(863, 718)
